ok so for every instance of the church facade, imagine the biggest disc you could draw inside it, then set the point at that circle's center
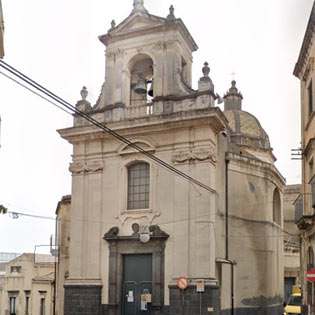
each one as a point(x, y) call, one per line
point(177, 207)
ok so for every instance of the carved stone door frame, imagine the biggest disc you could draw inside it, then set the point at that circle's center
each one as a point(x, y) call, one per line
point(124, 245)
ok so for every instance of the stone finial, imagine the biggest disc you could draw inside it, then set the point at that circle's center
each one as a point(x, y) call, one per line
point(138, 5)
point(171, 16)
point(206, 69)
point(84, 93)
point(113, 24)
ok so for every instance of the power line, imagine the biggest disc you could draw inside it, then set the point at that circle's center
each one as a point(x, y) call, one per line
point(76, 111)
point(17, 214)
point(41, 96)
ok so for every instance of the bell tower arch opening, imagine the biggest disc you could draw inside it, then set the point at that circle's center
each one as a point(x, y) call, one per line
point(141, 80)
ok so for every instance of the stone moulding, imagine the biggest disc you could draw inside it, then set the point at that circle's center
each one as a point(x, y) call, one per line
point(145, 214)
point(125, 245)
point(199, 154)
point(78, 168)
point(155, 233)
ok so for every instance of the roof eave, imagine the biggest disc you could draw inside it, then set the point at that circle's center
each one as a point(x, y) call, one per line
point(309, 33)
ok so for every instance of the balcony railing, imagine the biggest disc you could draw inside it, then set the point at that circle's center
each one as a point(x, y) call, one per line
point(298, 208)
point(139, 111)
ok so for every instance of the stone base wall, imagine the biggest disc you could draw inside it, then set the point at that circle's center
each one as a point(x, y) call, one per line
point(259, 310)
point(82, 300)
point(190, 302)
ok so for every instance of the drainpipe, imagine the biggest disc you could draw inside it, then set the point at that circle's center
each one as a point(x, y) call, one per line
point(233, 264)
point(227, 260)
point(55, 271)
point(227, 161)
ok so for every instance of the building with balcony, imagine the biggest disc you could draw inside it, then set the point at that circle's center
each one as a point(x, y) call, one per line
point(305, 71)
point(176, 205)
point(27, 285)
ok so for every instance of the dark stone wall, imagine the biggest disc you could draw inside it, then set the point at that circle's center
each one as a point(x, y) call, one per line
point(259, 310)
point(83, 300)
point(187, 302)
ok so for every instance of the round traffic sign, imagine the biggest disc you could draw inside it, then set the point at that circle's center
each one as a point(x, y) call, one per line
point(182, 283)
point(310, 275)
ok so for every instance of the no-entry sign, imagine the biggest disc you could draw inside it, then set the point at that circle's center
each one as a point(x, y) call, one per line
point(310, 276)
point(182, 283)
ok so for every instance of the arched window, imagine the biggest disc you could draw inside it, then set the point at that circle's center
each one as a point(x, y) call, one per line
point(276, 207)
point(138, 186)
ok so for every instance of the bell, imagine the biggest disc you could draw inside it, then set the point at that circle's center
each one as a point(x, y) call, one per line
point(141, 87)
point(151, 89)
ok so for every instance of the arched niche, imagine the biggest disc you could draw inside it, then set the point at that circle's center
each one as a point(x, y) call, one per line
point(276, 207)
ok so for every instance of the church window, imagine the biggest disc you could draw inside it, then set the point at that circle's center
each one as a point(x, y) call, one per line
point(138, 186)
point(310, 98)
point(276, 207)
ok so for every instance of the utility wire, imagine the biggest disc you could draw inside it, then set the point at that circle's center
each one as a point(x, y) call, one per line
point(76, 111)
point(16, 215)
point(41, 96)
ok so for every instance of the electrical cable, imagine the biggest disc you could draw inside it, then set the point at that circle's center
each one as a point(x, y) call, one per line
point(76, 111)
point(17, 214)
point(41, 96)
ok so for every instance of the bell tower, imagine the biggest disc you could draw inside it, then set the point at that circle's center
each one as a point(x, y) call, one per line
point(147, 57)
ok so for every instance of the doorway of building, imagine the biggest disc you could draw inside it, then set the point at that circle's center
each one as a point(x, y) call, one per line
point(137, 284)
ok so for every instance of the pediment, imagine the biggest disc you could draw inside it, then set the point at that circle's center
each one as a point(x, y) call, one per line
point(143, 143)
point(137, 21)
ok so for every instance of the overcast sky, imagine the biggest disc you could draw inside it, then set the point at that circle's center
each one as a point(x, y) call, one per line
point(55, 42)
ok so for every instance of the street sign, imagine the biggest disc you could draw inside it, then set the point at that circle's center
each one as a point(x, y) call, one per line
point(182, 283)
point(310, 276)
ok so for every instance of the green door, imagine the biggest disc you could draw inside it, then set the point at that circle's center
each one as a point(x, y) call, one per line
point(137, 284)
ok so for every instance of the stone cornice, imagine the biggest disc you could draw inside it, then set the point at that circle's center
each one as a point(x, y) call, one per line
point(162, 28)
point(264, 166)
point(306, 45)
point(155, 123)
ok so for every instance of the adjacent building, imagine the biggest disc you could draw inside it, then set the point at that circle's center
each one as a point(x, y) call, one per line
point(304, 71)
point(291, 239)
point(27, 285)
point(176, 205)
